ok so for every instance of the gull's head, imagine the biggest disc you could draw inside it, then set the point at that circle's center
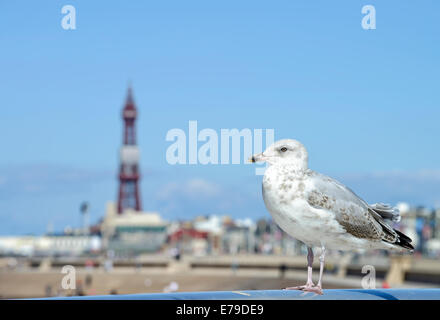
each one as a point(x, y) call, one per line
point(287, 151)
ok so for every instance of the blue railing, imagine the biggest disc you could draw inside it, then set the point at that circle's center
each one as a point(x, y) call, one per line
point(330, 294)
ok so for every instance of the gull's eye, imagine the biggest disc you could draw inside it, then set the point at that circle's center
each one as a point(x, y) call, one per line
point(283, 149)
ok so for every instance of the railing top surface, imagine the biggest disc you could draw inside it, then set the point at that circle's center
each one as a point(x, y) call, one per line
point(330, 294)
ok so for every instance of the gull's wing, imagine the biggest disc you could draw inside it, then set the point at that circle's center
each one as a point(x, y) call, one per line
point(351, 212)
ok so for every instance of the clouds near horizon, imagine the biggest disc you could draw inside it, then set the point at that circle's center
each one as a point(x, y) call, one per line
point(33, 196)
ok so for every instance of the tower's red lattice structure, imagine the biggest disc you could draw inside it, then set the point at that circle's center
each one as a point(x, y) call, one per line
point(128, 196)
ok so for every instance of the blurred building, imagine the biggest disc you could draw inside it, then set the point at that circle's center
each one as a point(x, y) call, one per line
point(421, 224)
point(213, 226)
point(190, 241)
point(126, 229)
point(132, 232)
point(50, 245)
point(237, 239)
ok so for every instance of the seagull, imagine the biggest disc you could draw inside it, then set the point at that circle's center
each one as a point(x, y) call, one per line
point(320, 211)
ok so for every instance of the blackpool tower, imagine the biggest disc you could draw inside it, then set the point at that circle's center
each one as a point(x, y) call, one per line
point(128, 195)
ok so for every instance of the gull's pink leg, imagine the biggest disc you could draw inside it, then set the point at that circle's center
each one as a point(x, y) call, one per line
point(321, 269)
point(309, 286)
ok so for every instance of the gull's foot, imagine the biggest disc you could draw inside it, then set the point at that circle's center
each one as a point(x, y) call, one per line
point(308, 288)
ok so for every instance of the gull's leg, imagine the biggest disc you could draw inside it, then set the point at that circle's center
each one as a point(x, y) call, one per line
point(321, 268)
point(309, 286)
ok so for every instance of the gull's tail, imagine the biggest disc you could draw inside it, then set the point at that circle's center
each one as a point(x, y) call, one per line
point(392, 214)
point(386, 211)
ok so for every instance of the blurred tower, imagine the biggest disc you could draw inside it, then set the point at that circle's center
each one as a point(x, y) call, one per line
point(129, 156)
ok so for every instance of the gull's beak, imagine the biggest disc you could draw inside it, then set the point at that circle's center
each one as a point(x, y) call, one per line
point(257, 158)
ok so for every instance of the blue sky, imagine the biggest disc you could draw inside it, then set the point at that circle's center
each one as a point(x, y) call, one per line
point(364, 103)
